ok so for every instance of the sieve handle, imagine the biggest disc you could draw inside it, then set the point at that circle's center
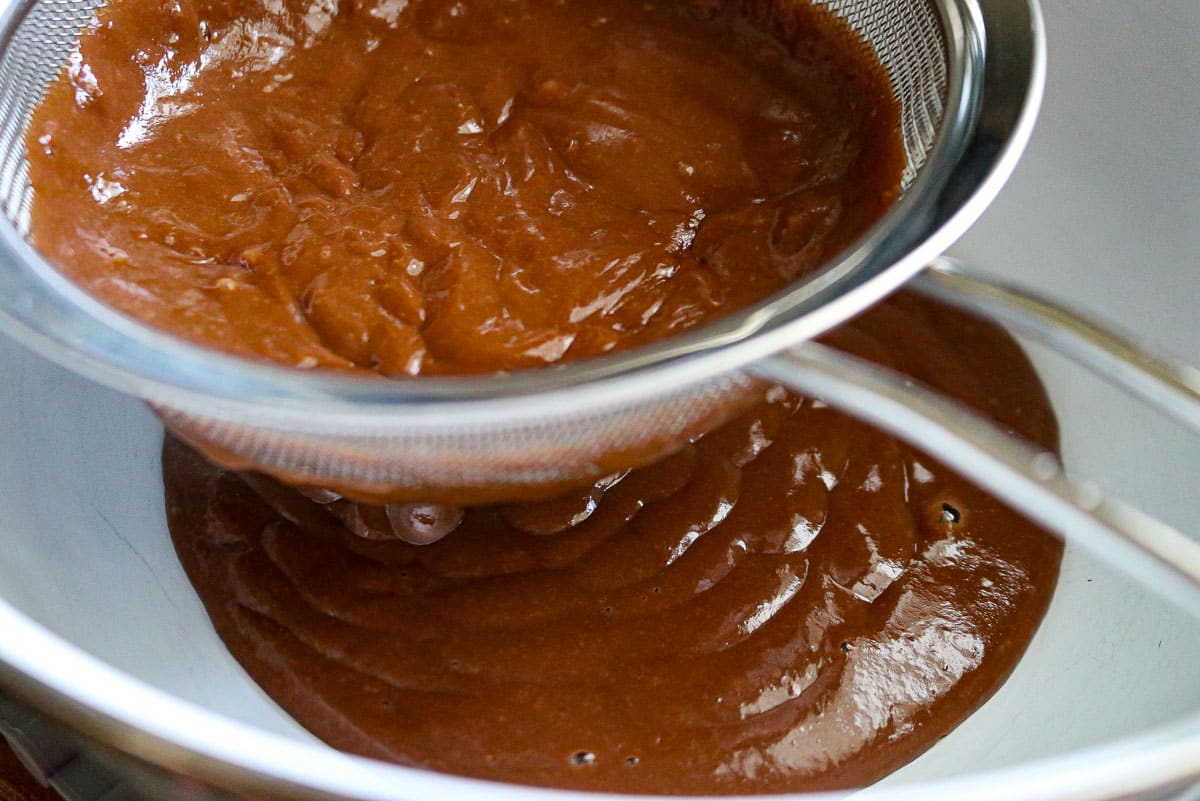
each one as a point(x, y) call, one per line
point(1029, 478)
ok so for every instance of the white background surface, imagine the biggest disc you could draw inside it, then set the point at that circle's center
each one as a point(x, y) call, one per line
point(1105, 209)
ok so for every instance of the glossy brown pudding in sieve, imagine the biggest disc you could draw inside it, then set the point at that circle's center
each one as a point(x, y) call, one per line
point(455, 186)
point(794, 602)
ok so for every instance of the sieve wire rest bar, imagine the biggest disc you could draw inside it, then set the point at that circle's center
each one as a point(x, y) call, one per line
point(1030, 479)
point(1165, 383)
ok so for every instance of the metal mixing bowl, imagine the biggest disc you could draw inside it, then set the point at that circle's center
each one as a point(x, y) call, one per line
point(99, 630)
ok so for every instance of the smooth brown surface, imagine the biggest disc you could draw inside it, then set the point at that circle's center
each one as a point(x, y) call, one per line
point(794, 602)
point(455, 186)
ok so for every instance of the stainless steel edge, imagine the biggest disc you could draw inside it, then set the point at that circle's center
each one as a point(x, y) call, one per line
point(171, 735)
point(1167, 384)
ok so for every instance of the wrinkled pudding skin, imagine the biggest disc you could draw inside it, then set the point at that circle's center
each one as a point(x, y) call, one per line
point(455, 186)
point(794, 602)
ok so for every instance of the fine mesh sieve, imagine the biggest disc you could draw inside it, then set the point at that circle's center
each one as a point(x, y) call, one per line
point(503, 437)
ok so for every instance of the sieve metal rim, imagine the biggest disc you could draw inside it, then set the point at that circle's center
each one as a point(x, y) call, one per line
point(991, 100)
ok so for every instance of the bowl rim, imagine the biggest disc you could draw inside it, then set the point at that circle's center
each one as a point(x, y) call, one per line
point(100, 702)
